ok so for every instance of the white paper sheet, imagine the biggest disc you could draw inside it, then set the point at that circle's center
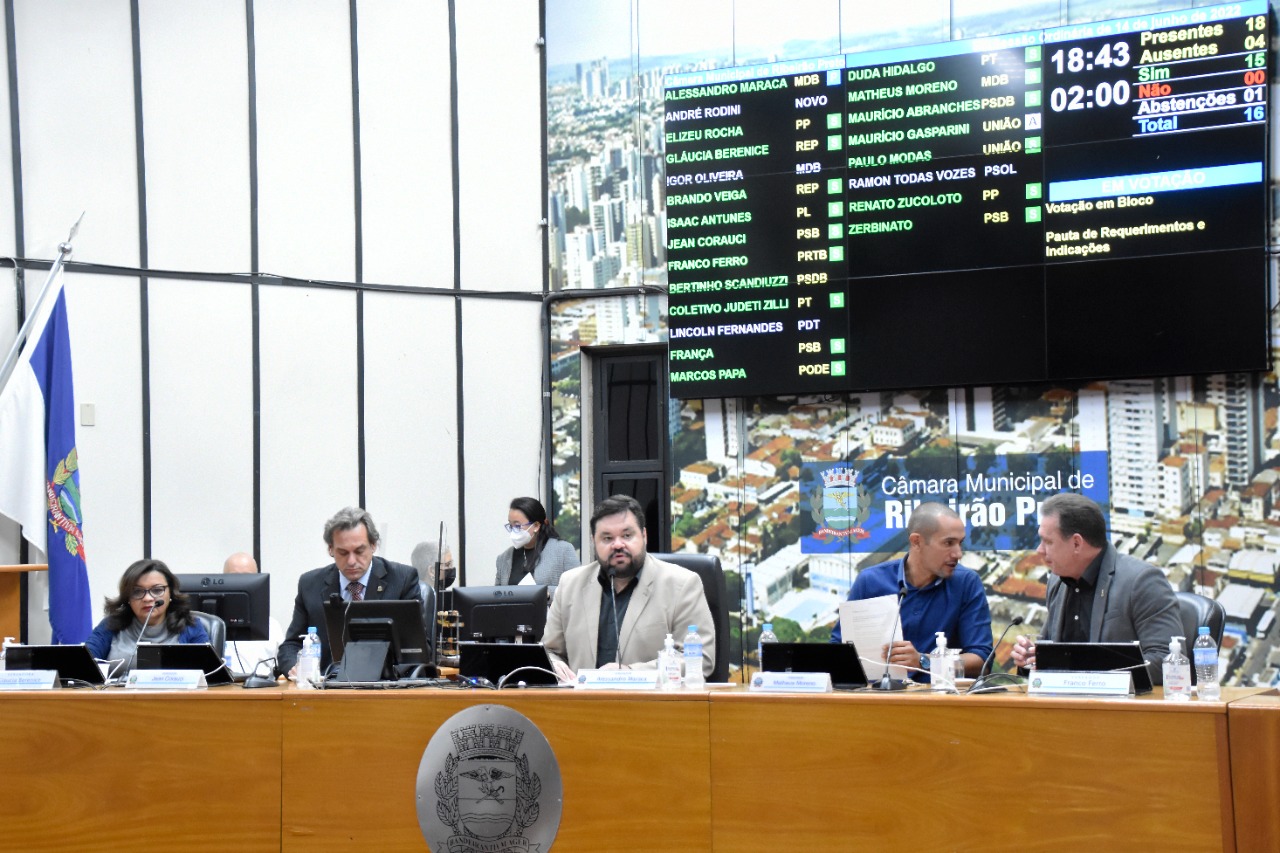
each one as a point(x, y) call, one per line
point(870, 623)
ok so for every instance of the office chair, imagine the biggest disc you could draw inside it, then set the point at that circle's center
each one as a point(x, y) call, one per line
point(708, 568)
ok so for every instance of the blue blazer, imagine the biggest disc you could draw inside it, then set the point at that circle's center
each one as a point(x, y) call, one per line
point(100, 640)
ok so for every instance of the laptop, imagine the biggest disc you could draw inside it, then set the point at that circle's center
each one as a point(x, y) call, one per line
point(840, 660)
point(73, 663)
point(199, 656)
point(1095, 657)
point(495, 661)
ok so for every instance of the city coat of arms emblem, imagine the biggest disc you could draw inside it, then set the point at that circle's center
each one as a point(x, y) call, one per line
point(489, 783)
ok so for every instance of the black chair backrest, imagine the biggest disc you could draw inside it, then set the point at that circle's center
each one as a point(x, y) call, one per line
point(707, 567)
point(1197, 610)
point(217, 630)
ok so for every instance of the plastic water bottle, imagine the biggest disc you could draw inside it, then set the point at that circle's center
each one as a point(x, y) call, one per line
point(309, 659)
point(766, 636)
point(1177, 673)
point(669, 665)
point(693, 678)
point(1205, 653)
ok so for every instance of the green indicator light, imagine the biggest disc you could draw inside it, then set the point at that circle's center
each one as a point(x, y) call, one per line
point(833, 185)
point(837, 368)
point(836, 253)
point(1031, 145)
point(1032, 54)
point(836, 300)
point(834, 230)
point(1033, 214)
point(835, 142)
point(833, 120)
point(834, 208)
point(837, 346)
point(1032, 77)
point(1032, 98)
point(1033, 191)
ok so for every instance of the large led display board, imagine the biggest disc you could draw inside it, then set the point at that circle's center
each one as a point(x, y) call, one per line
point(1082, 202)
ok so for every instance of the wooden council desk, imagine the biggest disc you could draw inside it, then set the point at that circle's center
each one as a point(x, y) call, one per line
point(289, 770)
point(97, 770)
point(922, 772)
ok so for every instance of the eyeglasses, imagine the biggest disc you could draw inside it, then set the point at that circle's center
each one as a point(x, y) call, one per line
point(512, 528)
point(139, 593)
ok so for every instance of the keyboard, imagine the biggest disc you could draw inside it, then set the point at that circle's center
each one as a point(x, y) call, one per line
point(401, 684)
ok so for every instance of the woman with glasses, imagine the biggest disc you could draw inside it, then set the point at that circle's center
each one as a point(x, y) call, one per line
point(149, 609)
point(536, 549)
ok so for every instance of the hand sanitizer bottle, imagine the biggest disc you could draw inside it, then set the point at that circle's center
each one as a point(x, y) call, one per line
point(1177, 673)
point(942, 678)
point(669, 665)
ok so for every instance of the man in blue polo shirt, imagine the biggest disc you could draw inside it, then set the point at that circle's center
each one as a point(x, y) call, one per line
point(938, 594)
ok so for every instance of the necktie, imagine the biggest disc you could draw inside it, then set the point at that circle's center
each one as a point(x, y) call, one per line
point(357, 590)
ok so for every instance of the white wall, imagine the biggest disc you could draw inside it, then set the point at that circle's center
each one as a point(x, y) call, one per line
point(191, 207)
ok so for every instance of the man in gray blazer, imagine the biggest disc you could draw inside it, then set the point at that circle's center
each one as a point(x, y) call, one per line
point(650, 598)
point(1096, 594)
point(354, 575)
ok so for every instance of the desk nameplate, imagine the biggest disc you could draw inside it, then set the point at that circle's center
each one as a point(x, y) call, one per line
point(617, 679)
point(28, 679)
point(791, 682)
point(1046, 682)
point(166, 679)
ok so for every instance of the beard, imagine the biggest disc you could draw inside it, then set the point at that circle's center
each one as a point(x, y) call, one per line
point(625, 570)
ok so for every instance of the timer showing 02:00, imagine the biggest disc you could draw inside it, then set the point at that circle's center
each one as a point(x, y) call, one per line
point(1079, 98)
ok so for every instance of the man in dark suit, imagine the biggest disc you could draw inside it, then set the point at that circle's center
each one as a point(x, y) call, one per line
point(1098, 595)
point(355, 575)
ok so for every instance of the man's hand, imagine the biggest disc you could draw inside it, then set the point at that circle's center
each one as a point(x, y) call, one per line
point(563, 672)
point(1024, 652)
point(902, 653)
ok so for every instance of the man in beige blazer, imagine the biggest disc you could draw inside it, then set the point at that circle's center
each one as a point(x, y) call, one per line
point(651, 599)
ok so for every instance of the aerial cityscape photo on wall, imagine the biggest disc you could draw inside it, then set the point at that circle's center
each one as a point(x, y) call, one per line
point(795, 493)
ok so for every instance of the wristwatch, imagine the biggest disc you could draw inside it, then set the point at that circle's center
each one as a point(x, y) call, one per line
point(924, 661)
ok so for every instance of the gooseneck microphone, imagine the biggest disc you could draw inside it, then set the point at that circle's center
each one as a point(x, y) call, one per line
point(983, 673)
point(885, 682)
point(617, 630)
point(438, 585)
point(147, 622)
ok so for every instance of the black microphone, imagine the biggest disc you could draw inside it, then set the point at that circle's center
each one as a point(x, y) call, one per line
point(437, 629)
point(155, 602)
point(986, 664)
point(617, 630)
point(887, 683)
point(143, 630)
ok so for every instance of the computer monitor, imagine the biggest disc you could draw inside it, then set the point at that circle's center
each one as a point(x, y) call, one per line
point(524, 662)
point(243, 601)
point(199, 656)
point(377, 639)
point(75, 665)
point(497, 614)
point(1096, 657)
point(838, 659)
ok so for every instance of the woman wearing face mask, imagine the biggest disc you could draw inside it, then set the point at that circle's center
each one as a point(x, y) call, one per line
point(536, 549)
point(149, 609)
